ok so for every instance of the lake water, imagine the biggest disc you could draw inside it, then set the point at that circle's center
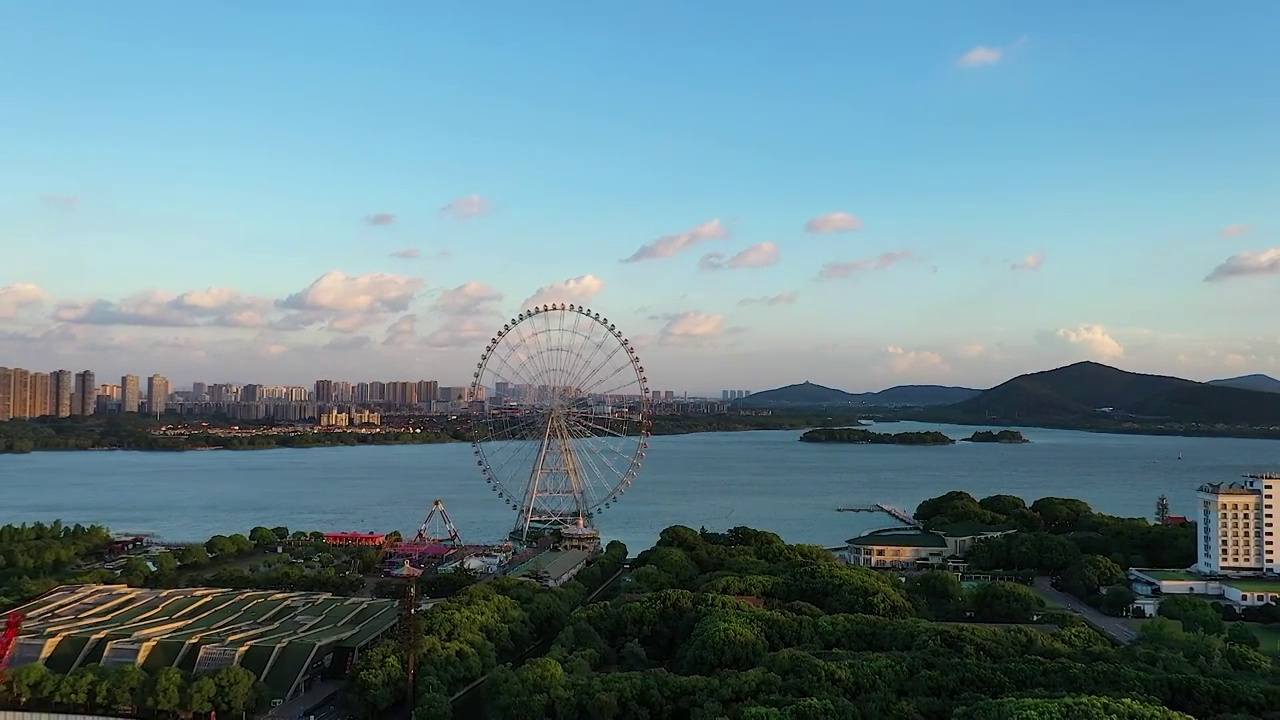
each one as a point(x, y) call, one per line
point(764, 479)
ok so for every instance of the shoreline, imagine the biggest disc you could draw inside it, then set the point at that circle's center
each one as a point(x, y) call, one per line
point(1151, 432)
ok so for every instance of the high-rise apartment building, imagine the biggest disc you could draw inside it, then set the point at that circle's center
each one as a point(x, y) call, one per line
point(428, 391)
point(62, 387)
point(324, 391)
point(1238, 526)
point(41, 399)
point(130, 393)
point(252, 393)
point(85, 399)
point(6, 393)
point(199, 391)
point(110, 392)
point(157, 394)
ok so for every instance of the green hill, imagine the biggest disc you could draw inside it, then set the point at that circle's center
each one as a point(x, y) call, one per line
point(1259, 382)
point(811, 394)
point(1090, 390)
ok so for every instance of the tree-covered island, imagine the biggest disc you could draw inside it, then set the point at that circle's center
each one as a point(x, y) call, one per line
point(1009, 437)
point(860, 436)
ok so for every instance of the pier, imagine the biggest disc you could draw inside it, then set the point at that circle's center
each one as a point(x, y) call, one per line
point(898, 514)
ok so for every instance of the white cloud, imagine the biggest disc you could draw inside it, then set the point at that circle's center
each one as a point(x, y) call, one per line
point(577, 291)
point(1265, 262)
point(786, 298)
point(902, 362)
point(16, 297)
point(833, 223)
point(466, 311)
point(382, 218)
point(472, 298)
point(980, 56)
point(671, 245)
point(1095, 340)
point(1030, 262)
point(403, 333)
point(971, 350)
point(468, 206)
point(335, 291)
point(1234, 231)
point(691, 328)
point(883, 261)
point(760, 255)
point(407, 254)
point(213, 307)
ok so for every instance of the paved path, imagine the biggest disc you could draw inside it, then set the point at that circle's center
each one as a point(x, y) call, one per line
point(296, 707)
point(1115, 627)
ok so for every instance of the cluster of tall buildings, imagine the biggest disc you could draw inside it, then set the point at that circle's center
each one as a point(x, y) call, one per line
point(30, 394)
point(733, 394)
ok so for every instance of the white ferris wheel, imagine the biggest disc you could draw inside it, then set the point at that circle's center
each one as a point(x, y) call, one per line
point(565, 420)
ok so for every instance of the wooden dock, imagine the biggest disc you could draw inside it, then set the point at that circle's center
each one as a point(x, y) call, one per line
point(898, 514)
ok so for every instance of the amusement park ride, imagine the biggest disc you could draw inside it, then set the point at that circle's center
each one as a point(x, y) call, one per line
point(560, 438)
point(566, 430)
point(9, 638)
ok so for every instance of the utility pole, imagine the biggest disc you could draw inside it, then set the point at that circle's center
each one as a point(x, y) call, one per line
point(409, 640)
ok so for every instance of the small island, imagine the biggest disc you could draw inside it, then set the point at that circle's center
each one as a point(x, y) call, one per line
point(1010, 437)
point(859, 436)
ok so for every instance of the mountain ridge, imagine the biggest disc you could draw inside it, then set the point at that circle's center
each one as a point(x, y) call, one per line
point(1255, 381)
point(812, 394)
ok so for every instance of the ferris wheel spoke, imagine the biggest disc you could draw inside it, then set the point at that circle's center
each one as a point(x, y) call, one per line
point(498, 376)
point(637, 439)
point(582, 352)
point(586, 389)
point(536, 370)
point(609, 378)
point(581, 419)
point(608, 481)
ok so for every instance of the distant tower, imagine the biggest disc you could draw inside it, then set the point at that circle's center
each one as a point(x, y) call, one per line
point(1162, 510)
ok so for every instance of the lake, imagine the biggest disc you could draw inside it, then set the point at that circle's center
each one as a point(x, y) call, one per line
point(763, 479)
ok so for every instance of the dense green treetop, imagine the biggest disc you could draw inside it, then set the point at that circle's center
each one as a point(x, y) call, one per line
point(862, 436)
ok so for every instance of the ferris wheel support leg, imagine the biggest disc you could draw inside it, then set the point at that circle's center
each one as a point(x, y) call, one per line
point(535, 479)
point(572, 469)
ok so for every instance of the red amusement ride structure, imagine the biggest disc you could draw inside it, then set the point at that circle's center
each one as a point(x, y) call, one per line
point(438, 528)
point(9, 638)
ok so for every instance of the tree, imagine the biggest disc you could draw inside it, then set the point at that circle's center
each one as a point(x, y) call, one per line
point(165, 689)
point(121, 686)
point(201, 695)
point(1240, 634)
point(937, 594)
point(28, 683)
point(220, 545)
point(194, 555)
point(240, 544)
point(1117, 600)
point(166, 563)
point(281, 532)
point(237, 689)
point(1069, 708)
point(1004, 602)
point(1061, 514)
point(1195, 614)
point(1086, 576)
point(135, 572)
point(262, 537)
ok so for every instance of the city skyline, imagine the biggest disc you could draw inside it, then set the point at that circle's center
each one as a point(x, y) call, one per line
point(850, 196)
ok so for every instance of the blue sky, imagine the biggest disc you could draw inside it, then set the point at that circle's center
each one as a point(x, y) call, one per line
point(150, 151)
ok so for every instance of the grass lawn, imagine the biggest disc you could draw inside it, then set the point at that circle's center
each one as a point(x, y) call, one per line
point(1170, 575)
point(1254, 586)
point(1269, 635)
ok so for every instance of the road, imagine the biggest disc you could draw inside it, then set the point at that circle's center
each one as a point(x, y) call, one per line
point(1115, 627)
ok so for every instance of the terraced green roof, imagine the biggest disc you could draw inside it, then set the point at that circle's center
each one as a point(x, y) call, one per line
point(275, 635)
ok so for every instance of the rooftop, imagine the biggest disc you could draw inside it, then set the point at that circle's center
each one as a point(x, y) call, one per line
point(555, 563)
point(895, 537)
point(1254, 585)
point(1227, 489)
point(1170, 575)
point(274, 635)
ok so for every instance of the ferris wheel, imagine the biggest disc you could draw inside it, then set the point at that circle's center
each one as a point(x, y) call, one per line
point(564, 423)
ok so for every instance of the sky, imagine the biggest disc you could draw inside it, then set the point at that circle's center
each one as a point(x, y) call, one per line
point(855, 194)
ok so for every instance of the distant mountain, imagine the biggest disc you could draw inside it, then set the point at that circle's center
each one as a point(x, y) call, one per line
point(1261, 383)
point(811, 394)
point(1089, 390)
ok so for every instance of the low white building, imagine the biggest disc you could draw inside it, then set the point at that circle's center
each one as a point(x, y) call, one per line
point(1151, 585)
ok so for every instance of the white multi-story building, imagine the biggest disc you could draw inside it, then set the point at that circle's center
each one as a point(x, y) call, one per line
point(1238, 523)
